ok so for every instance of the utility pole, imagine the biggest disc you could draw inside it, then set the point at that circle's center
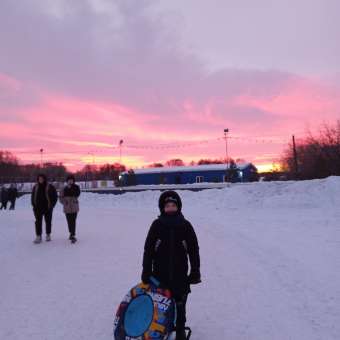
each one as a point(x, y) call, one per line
point(41, 157)
point(120, 150)
point(226, 145)
point(296, 166)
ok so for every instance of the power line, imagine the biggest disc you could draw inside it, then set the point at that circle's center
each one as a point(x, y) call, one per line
point(161, 146)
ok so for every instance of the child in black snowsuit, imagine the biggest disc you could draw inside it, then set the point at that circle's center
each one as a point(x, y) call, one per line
point(170, 241)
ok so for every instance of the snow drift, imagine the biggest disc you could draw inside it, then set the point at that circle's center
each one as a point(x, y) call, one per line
point(270, 264)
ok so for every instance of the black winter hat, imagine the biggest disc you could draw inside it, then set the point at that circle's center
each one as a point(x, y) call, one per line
point(43, 176)
point(169, 196)
point(70, 177)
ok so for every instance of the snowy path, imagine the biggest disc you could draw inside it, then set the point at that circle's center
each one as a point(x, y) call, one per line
point(269, 257)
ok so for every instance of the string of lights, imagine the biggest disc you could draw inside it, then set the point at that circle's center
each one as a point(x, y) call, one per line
point(163, 146)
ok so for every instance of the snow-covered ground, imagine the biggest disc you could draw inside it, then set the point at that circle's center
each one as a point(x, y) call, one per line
point(270, 263)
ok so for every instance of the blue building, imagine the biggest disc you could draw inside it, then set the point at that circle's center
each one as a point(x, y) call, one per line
point(211, 173)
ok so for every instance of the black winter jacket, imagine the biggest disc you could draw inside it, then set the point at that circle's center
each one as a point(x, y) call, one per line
point(4, 195)
point(170, 242)
point(12, 194)
point(44, 197)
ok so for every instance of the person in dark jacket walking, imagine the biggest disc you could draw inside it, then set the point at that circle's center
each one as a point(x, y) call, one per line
point(69, 199)
point(4, 198)
point(12, 196)
point(44, 198)
point(171, 240)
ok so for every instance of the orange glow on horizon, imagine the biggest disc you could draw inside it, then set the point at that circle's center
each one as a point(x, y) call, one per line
point(268, 167)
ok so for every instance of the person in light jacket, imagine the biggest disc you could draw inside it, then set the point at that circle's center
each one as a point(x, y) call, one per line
point(69, 199)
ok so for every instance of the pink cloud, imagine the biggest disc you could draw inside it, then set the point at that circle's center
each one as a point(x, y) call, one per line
point(8, 84)
point(74, 83)
point(71, 129)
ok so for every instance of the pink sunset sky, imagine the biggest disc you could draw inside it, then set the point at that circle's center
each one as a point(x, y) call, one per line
point(78, 76)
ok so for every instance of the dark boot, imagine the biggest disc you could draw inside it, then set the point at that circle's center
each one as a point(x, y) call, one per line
point(73, 239)
point(180, 334)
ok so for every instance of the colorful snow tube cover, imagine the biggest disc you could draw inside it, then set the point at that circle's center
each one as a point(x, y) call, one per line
point(146, 313)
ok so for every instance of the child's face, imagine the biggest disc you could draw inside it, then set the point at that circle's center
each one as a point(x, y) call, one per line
point(170, 208)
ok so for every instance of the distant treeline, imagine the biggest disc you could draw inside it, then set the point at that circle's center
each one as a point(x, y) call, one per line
point(12, 171)
point(314, 157)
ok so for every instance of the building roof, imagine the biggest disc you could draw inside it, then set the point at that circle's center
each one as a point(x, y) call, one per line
point(194, 168)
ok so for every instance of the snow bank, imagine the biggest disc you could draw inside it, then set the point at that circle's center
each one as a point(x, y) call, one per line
point(270, 258)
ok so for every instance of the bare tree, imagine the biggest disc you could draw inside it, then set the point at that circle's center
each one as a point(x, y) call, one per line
point(155, 165)
point(174, 162)
point(317, 156)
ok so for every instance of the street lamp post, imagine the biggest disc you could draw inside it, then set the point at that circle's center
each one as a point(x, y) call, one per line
point(226, 131)
point(41, 157)
point(120, 150)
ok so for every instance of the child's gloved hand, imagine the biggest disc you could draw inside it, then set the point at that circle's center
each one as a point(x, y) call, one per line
point(194, 278)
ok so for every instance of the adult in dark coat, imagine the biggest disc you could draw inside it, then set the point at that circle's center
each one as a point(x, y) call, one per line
point(12, 196)
point(4, 198)
point(44, 198)
point(69, 199)
point(170, 242)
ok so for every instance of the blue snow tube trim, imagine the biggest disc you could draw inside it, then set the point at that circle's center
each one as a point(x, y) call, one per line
point(138, 316)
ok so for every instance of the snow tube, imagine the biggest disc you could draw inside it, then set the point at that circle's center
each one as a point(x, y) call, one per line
point(146, 313)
